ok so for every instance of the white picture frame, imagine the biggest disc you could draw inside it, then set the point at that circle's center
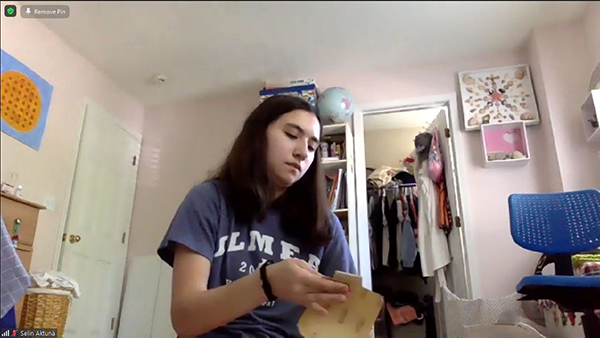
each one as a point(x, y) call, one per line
point(497, 95)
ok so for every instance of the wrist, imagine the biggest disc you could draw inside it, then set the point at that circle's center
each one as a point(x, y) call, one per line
point(257, 285)
point(266, 281)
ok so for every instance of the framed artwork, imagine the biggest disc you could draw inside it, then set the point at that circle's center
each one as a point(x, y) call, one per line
point(505, 143)
point(497, 95)
point(25, 102)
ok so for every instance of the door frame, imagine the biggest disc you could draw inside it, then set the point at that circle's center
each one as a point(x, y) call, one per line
point(396, 106)
point(73, 166)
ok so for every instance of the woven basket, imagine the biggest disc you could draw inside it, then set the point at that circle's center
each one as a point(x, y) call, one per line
point(44, 308)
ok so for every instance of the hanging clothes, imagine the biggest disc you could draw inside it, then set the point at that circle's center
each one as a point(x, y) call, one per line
point(433, 244)
point(386, 231)
point(372, 240)
point(444, 208)
point(408, 245)
point(399, 232)
point(393, 224)
point(376, 218)
point(392, 220)
point(413, 204)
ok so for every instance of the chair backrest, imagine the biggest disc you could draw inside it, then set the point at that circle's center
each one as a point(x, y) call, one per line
point(558, 223)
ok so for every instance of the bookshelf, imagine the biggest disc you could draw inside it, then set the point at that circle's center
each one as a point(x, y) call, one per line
point(341, 213)
point(338, 160)
point(334, 129)
point(333, 164)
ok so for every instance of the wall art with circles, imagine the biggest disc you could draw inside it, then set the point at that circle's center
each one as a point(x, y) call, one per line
point(25, 102)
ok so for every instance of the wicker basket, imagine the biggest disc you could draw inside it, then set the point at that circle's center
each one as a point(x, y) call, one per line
point(45, 308)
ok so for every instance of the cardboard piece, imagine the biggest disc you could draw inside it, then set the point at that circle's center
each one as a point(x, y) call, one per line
point(353, 319)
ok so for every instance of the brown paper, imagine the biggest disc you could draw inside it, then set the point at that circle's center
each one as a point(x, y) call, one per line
point(353, 319)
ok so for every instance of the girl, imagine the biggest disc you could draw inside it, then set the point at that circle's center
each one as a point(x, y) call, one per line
point(252, 246)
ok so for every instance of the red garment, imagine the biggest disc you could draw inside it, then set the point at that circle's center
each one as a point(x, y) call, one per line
point(415, 212)
point(401, 315)
point(444, 211)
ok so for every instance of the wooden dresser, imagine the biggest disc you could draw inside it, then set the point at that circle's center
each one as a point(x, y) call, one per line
point(13, 209)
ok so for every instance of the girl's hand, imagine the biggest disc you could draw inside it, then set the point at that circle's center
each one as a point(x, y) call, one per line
point(294, 280)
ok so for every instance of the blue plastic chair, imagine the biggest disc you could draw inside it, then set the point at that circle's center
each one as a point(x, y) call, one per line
point(560, 225)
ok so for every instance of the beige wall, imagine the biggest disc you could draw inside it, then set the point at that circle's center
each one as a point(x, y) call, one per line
point(389, 146)
point(48, 172)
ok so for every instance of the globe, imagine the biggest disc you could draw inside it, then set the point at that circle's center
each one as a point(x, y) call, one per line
point(335, 105)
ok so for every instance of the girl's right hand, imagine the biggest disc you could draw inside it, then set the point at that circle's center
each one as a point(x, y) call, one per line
point(295, 281)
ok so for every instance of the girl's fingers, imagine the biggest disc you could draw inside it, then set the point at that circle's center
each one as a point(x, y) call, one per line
point(326, 285)
point(318, 308)
point(325, 299)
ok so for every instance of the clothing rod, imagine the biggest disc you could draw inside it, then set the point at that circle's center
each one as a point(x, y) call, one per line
point(407, 185)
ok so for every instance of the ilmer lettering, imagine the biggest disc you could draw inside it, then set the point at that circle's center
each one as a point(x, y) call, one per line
point(264, 244)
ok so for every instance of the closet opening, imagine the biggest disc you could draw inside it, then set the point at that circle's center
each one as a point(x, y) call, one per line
point(412, 212)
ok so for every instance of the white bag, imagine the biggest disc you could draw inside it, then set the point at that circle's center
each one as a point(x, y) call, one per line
point(501, 331)
point(460, 313)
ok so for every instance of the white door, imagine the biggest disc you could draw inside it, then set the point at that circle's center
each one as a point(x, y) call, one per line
point(362, 213)
point(458, 278)
point(95, 239)
point(351, 197)
point(457, 273)
point(146, 311)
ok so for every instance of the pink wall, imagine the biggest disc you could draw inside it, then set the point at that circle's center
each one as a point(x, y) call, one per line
point(487, 189)
point(591, 25)
point(48, 172)
point(182, 143)
point(563, 57)
point(184, 140)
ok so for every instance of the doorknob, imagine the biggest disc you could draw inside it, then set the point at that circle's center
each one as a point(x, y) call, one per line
point(74, 238)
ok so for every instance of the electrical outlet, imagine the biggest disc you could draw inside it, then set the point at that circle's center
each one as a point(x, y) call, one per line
point(50, 202)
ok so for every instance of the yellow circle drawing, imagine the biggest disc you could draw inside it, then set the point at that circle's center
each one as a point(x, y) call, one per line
point(21, 104)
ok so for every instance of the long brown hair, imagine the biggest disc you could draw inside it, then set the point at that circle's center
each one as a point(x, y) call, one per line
point(304, 211)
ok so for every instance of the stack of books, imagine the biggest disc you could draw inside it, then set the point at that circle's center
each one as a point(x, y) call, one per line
point(336, 190)
point(305, 88)
point(333, 148)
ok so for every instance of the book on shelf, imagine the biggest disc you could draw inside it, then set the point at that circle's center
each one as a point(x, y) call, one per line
point(334, 185)
point(343, 200)
point(332, 147)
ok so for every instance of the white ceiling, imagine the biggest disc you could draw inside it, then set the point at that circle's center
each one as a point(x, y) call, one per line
point(208, 47)
point(404, 120)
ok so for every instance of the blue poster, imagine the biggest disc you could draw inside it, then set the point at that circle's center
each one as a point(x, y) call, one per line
point(25, 102)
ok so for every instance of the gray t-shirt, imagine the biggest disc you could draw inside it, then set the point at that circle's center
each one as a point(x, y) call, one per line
point(206, 225)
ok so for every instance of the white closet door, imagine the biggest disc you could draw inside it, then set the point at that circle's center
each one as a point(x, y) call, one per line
point(146, 309)
point(457, 273)
point(162, 326)
point(94, 247)
point(360, 215)
point(137, 314)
